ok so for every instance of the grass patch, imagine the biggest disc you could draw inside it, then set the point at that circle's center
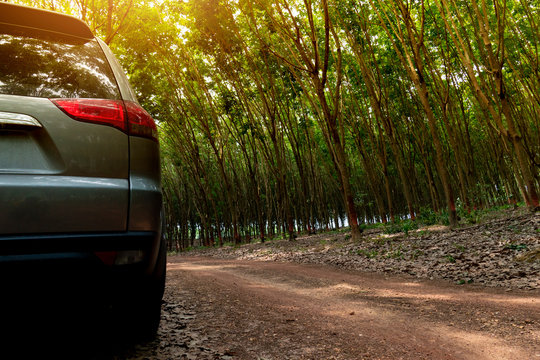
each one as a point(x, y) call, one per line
point(399, 226)
point(450, 258)
point(370, 254)
point(380, 241)
point(516, 247)
point(459, 247)
point(396, 254)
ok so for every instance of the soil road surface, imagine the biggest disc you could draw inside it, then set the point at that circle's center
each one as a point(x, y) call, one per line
point(237, 309)
point(264, 310)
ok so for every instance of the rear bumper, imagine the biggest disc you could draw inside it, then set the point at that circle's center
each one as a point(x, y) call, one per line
point(82, 251)
point(73, 266)
point(65, 243)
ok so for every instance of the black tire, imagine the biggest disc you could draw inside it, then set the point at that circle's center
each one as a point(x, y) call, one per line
point(137, 312)
point(146, 308)
point(150, 305)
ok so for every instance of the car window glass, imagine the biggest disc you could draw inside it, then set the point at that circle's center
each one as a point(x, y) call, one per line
point(42, 67)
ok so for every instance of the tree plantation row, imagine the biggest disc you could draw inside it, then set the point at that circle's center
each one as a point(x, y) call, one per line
point(287, 116)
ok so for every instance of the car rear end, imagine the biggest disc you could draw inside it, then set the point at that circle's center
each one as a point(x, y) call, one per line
point(80, 193)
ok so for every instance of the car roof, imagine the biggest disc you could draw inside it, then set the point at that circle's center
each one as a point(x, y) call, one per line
point(19, 17)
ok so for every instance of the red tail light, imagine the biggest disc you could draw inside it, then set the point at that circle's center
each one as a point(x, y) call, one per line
point(108, 257)
point(140, 122)
point(98, 111)
point(112, 113)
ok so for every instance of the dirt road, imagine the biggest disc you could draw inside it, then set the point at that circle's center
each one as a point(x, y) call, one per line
point(261, 310)
point(237, 309)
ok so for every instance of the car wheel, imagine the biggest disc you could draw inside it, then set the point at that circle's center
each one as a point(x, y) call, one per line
point(147, 307)
point(150, 304)
point(137, 312)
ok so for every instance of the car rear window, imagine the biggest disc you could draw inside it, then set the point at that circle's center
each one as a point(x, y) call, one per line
point(48, 67)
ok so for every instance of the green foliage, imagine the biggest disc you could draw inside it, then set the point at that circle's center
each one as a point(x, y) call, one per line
point(460, 248)
point(230, 244)
point(409, 225)
point(370, 254)
point(393, 228)
point(377, 225)
point(450, 258)
point(380, 240)
point(396, 254)
point(427, 216)
point(400, 226)
point(192, 248)
point(516, 247)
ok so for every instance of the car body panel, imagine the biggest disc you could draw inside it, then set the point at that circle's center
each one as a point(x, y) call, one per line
point(44, 204)
point(68, 176)
point(145, 187)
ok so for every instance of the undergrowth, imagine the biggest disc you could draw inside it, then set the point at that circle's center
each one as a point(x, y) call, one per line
point(424, 217)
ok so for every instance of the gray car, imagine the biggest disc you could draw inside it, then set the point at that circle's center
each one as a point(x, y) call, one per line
point(80, 188)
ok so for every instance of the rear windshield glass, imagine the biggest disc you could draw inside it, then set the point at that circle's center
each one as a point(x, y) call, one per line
point(43, 67)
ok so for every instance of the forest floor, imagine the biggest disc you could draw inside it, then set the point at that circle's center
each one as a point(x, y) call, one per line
point(244, 309)
point(503, 250)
